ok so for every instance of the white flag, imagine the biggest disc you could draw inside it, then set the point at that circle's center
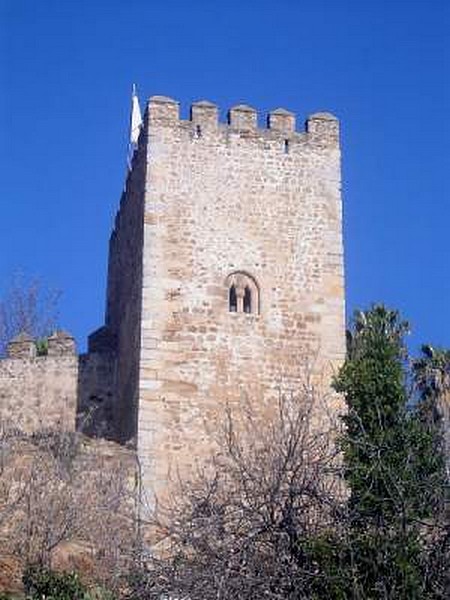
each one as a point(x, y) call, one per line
point(135, 125)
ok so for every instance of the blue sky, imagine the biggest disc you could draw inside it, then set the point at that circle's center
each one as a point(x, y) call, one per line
point(66, 69)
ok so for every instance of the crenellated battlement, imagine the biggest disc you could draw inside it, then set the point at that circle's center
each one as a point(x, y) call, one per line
point(241, 274)
point(225, 280)
point(38, 389)
point(23, 346)
point(205, 115)
point(322, 127)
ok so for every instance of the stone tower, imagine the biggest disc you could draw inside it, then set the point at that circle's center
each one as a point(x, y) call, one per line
point(225, 271)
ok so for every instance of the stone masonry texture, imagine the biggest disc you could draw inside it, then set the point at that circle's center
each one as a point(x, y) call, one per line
point(39, 392)
point(225, 278)
point(220, 200)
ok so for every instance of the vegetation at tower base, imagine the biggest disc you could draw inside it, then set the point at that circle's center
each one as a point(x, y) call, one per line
point(394, 468)
point(269, 520)
point(269, 516)
point(244, 528)
point(66, 503)
point(40, 583)
point(432, 376)
point(391, 467)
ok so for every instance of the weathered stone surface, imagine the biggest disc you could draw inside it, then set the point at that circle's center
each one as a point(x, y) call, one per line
point(22, 346)
point(242, 117)
point(282, 120)
point(245, 200)
point(225, 282)
point(39, 393)
point(61, 343)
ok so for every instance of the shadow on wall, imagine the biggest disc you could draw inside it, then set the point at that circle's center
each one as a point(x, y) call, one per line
point(97, 414)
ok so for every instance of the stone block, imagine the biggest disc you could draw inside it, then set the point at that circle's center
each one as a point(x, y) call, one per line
point(61, 343)
point(281, 120)
point(242, 117)
point(22, 346)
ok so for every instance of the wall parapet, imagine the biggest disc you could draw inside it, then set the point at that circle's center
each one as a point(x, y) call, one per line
point(39, 389)
point(21, 346)
point(320, 127)
point(323, 125)
point(281, 119)
point(204, 114)
point(243, 117)
point(24, 346)
point(61, 343)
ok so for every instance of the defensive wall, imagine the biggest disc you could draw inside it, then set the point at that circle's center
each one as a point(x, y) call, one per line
point(225, 280)
point(39, 392)
point(56, 390)
point(232, 205)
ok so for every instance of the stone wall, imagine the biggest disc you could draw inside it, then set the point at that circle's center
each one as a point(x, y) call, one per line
point(225, 282)
point(97, 412)
point(39, 392)
point(223, 201)
point(58, 390)
point(124, 290)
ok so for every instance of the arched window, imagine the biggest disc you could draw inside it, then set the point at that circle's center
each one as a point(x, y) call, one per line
point(233, 299)
point(243, 293)
point(247, 300)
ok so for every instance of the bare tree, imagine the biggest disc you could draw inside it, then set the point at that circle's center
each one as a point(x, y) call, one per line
point(241, 528)
point(66, 498)
point(27, 305)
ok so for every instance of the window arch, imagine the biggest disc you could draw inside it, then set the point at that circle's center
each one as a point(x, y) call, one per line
point(243, 293)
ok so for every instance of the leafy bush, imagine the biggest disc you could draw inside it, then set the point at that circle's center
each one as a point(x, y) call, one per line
point(42, 347)
point(41, 583)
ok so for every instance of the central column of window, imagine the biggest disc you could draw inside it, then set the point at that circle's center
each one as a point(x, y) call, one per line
point(243, 294)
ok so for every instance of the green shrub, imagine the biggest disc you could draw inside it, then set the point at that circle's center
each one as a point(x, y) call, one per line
point(41, 583)
point(41, 347)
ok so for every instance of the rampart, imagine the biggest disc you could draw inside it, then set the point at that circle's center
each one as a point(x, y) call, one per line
point(39, 392)
point(225, 278)
point(57, 389)
point(233, 205)
point(321, 128)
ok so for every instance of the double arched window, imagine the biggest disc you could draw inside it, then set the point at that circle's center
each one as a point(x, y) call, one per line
point(243, 293)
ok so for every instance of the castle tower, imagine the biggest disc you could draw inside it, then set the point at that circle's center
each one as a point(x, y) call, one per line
point(225, 272)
